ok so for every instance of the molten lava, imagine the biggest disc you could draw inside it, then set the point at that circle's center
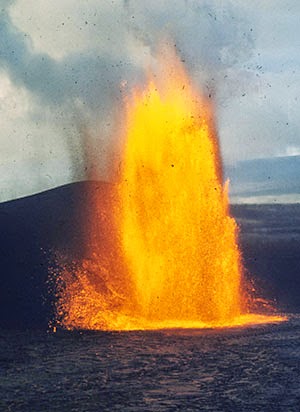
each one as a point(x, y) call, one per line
point(177, 236)
point(174, 260)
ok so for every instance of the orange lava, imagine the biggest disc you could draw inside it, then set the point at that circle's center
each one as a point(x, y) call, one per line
point(174, 261)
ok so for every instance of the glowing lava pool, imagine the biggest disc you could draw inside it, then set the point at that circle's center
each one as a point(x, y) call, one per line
point(172, 260)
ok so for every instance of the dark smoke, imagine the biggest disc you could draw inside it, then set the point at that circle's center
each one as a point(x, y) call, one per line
point(84, 86)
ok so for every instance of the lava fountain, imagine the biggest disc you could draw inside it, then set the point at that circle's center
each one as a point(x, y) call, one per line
point(177, 236)
point(174, 261)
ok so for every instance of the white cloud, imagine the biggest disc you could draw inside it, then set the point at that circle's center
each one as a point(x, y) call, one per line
point(292, 151)
point(65, 64)
point(33, 148)
point(256, 200)
point(71, 27)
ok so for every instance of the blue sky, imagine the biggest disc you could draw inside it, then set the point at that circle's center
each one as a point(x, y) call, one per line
point(63, 67)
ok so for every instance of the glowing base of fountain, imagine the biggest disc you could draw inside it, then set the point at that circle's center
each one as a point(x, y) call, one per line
point(128, 323)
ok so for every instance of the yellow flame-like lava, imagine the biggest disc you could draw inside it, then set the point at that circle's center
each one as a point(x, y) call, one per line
point(177, 235)
point(178, 262)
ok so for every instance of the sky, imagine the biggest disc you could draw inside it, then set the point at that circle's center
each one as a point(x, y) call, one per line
point(65, 66)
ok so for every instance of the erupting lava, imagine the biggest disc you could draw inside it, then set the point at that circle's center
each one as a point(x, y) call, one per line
point(174, 261)
point(177, 237)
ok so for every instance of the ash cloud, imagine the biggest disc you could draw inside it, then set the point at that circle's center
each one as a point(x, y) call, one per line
point(74, 59)
point(94, 79)
point(209, 38)
point(205, 36)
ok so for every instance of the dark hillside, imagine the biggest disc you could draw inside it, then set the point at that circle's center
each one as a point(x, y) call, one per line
point(35, 227)
point(32, 230)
